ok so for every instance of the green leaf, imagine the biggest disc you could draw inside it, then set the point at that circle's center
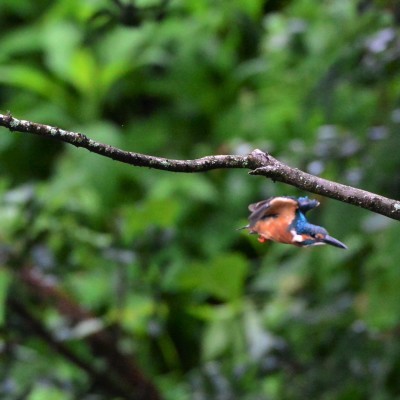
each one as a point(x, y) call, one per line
point(43, 392)
point(30, 78)
point(380, 303)
point(138, 218)
point(5, 279)
point(223, 277)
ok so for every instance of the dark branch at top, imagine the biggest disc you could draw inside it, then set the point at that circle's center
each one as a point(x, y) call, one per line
point(258, 162)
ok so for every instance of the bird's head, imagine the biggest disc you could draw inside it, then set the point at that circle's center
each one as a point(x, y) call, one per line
point(313, 235)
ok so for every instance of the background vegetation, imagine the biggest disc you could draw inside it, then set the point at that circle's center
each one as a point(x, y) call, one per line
point(153, 259)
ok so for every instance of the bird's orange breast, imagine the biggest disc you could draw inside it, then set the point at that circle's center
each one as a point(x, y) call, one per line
point(271, 219)
point(273, 229)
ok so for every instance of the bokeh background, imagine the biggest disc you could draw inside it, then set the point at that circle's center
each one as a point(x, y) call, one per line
point(106, 268)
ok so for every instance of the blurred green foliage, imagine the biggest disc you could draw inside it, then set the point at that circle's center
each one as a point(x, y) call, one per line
point(208, 311)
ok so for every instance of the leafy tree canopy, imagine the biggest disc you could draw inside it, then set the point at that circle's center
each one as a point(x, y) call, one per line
point(99, 258)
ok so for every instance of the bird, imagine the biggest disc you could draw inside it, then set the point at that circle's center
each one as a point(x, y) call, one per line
point(283, 219)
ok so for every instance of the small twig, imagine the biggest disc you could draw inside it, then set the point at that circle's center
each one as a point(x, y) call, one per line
point(258, 162)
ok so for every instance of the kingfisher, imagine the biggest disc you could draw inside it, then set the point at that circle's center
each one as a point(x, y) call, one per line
point(283, 219)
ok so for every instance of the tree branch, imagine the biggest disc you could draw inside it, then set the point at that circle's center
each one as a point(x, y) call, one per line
point(123, 375)
point(101, 379)
point(258, 162)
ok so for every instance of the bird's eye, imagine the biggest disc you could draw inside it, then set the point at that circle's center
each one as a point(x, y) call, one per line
point(319, 236)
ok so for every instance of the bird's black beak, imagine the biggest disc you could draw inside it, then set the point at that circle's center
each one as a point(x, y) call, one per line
point(334, 242)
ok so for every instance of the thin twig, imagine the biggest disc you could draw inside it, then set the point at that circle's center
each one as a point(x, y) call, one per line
point(123, 373)
point(101, 379)
point(258, 162)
